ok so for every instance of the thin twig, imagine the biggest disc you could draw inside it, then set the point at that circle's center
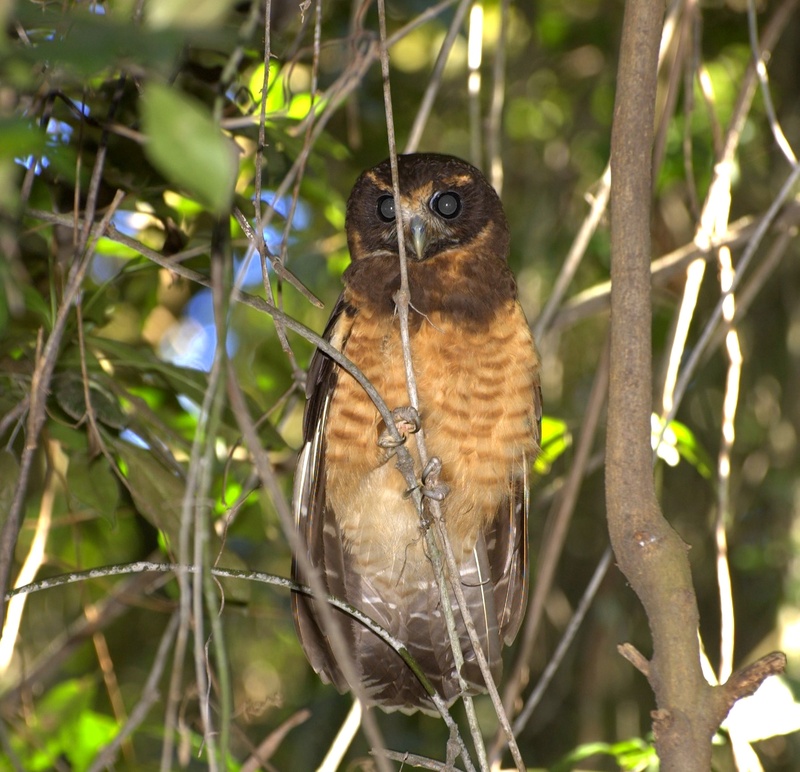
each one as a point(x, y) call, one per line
point(40, 387)
point(435, 80)
point(48, 666)
point(277, 264)
point(148, 697)
point(347, 731)
point(558, 521)
point(706, 336)
point(402, 302)
point(429, 13)
point(596, 299)
point(730, 402)
point(593, 219)
point(474, 57)
point(534, 698)
point(272, 742)
point(494, 118)
point(143, 566)
point(30, 568)
point(763, 80)
point(333, 630)
point(675, 21)
point(575, 254)
point(420, 762)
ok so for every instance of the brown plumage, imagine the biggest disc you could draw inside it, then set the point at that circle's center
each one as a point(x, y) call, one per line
point(480, 406)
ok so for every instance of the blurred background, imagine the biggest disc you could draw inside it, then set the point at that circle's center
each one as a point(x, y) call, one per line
point(151, 119)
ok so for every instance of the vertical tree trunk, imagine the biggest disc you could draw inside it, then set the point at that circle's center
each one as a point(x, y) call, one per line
point(649, 552)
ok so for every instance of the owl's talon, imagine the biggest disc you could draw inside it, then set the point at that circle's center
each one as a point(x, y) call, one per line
point(432, 470)
point(436, 492)
point(432, 487)
point(387, 442)
point(409, 492)
point(406, 421)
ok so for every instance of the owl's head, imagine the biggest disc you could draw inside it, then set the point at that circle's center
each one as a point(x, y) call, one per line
point(446, 204)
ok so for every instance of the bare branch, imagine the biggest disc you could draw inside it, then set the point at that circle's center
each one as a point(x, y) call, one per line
point(649, 553)
point(40, 385)
point(558, 520)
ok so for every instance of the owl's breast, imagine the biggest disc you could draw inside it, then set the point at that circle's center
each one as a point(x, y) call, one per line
point(476, 389)
point(477, 394)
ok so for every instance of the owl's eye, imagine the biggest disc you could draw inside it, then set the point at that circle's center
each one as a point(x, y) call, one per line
point(448, 205)
point(386, 208)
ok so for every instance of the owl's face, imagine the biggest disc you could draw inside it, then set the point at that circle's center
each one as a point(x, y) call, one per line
point(446, 204)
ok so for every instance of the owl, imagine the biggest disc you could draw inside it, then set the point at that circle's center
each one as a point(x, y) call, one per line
point(477, 374)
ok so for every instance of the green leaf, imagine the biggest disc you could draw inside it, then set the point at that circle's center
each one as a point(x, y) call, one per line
point(187, 147)
point(71, 396)
point(177, 381)
point(157, 491)
point(9, 473)
point(84, 739)
point(65, 729)
point(276, 98)
point(556, 438)
point(302, 104)
point(158, 494)
point(92, 486)
point(634, 755)
point(20, 138)
point(80, 44)
point(690, 449)
point(186, 14)
point(675, 441)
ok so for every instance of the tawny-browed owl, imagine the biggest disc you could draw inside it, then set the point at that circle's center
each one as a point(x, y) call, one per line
point(477, 375)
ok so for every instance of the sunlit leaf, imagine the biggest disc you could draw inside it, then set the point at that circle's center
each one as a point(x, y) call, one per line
point(106, 246)
point(634, 755)
point(675, 441)
point(67, 732)
point(276, 98)
point(302, 104)
point(90, 733)
point(187, 147)
point(556, 438)
point(690, 449)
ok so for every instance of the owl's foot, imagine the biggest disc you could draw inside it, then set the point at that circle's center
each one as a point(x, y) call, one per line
point(432, 487)
point(406, 421)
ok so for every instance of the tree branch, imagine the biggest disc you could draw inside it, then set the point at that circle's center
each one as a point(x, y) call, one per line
point(649, 552)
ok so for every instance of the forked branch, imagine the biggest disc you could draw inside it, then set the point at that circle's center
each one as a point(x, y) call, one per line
point(648, 551)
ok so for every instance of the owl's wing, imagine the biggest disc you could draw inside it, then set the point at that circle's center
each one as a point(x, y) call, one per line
point(386, 679)
point(317, 526)
point(507, 544)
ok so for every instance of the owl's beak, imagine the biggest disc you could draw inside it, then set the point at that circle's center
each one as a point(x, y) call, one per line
point(419, 235)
